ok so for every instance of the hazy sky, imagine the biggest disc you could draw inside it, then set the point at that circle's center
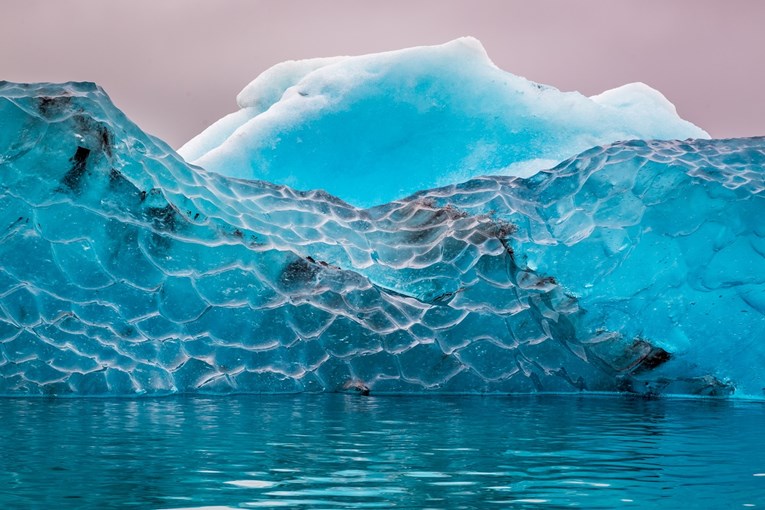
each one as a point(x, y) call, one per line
point(175, 66)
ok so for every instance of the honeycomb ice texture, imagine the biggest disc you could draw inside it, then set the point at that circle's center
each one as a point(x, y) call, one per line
point(637, 266)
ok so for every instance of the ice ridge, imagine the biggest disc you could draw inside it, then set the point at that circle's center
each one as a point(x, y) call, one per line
point(632, 267)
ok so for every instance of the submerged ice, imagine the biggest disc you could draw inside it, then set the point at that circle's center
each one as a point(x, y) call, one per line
point(376, 128)
point(637, 266)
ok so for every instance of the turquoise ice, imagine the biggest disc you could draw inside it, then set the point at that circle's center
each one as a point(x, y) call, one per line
point(376, 128)
point(637, 266)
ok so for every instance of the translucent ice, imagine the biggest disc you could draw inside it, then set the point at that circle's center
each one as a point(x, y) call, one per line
point(376, 128)
point(633, 267)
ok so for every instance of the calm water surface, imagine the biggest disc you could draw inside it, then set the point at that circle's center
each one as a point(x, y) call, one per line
point(335, 451)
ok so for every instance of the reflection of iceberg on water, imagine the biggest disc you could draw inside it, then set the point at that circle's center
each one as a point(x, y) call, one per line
point(635, 266)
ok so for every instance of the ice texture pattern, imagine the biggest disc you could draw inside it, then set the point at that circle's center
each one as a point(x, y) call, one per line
point(633, 267)
point(376, 128)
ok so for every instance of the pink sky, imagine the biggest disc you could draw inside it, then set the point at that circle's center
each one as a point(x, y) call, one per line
point(175, 66)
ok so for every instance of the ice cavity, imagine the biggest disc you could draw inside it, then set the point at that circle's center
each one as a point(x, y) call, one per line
point(375, 128)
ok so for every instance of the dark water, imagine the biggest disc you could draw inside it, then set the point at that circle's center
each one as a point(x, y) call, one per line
point(336, 451)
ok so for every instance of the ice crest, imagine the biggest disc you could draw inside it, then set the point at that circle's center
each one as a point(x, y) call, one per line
point(375, 128)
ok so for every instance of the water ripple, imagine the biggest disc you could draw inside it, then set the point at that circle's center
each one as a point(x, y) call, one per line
point(332, 451)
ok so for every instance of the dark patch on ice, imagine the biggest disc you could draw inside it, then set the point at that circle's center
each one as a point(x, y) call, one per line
point(73, 178)
point(47, 104)
point(361, 388)
point(163, 218)
point(298, 271)
point(105, 140)
point(639, 357)
point(654, 359)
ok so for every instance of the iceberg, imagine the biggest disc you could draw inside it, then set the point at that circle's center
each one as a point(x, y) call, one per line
point(633, 267)
point(375, 128)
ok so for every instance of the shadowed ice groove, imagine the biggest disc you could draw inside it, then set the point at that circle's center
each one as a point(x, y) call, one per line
point(634, 267)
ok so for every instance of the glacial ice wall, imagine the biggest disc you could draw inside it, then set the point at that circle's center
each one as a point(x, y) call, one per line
point(123, 270)
point(376, 128)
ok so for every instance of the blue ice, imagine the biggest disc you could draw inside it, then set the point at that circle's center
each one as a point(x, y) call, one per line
point(377, 128)
point(635, 266)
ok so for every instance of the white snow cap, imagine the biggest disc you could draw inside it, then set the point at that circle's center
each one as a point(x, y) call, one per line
point(378, 127)
point(635, 95)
